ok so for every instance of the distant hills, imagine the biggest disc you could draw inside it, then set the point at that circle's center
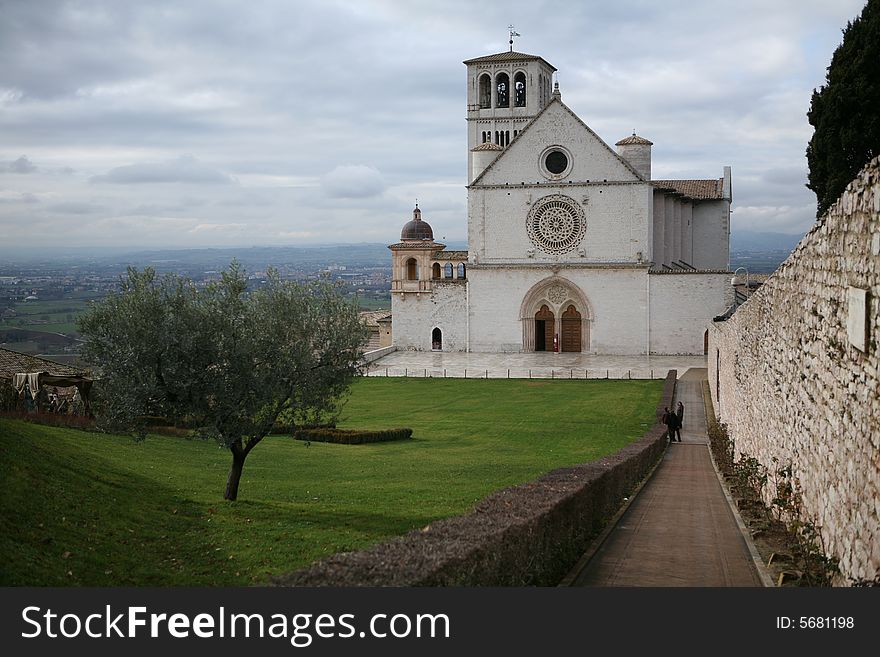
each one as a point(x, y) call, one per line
point(746, 240)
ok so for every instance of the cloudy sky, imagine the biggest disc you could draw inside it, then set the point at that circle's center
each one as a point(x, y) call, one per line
point(231, 123)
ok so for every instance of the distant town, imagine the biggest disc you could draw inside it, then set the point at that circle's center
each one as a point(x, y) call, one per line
point(42, 295)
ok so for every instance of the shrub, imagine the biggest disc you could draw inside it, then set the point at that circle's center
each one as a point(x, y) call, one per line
point(351, 436)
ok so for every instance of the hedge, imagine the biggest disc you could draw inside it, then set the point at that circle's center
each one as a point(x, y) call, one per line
point(351, 436)
point(526, 535)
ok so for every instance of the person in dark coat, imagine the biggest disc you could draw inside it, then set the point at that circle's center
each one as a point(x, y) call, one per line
point(670, 419)
point(679, 412)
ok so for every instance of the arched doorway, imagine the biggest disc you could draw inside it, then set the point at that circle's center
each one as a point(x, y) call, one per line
point(544, 325)
point(437, 340)
point(571, 330)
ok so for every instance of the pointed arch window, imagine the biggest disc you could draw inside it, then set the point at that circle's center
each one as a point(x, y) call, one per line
point(502, 90)
point(519, 89)
point(485, 91)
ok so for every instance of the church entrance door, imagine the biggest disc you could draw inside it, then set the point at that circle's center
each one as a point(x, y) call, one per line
point(544, 324)
point(571, 329)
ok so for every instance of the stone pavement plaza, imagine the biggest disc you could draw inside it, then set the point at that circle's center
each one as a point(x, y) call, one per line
point(537, 365)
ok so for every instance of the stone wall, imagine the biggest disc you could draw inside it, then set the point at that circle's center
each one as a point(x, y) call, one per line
point(791, 387)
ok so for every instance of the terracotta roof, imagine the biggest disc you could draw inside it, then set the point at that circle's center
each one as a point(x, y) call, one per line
point(634, 139)
point(414, 244)
point(488, 146)
point(508, 56)
point(694, 189)
point(15, 362)
point(450, 255)
point(372, 317)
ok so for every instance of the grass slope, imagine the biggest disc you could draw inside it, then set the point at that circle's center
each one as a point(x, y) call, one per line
point(81, 508)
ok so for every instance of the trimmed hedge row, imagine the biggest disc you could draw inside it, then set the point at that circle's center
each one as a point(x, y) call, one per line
point(526, 535)
point(351, 436)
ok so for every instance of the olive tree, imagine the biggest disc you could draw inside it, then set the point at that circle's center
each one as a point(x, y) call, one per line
point(229, 360)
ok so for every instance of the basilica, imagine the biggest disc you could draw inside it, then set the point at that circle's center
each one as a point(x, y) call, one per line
point(572, 246)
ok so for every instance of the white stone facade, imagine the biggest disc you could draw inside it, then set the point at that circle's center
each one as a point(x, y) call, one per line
point(572, 246)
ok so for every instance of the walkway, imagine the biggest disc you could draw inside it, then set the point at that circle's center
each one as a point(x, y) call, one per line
point(440, 364)
point(679, 530)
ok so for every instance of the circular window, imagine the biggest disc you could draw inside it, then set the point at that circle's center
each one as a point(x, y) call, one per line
point(556, 162)
point(556, 224)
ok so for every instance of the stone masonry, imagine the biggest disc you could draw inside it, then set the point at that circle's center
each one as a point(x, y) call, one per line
point(792, 386)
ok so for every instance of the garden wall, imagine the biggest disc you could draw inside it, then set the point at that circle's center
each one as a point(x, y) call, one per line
point(526, 535)
point(794, 384)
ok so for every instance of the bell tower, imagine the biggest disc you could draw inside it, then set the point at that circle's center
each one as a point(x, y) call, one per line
point(504, 92)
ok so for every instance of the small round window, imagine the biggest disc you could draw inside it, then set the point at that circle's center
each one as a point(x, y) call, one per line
point(556, 162)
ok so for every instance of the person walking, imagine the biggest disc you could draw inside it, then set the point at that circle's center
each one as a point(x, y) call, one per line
point(679, 413)
point(670, 419)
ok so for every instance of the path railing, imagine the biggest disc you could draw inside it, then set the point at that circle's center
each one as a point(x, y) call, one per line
point(518, 373)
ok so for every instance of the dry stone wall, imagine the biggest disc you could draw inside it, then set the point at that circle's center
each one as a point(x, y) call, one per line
point(792, 388)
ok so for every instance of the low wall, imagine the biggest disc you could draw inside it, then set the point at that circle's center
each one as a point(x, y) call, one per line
point(794, 390)
point(529, 534)
point(376, 354)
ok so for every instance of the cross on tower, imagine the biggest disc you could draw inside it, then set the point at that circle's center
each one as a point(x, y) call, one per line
point(512, 33)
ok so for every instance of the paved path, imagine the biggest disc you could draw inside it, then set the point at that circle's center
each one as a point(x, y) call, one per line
point(679, 530)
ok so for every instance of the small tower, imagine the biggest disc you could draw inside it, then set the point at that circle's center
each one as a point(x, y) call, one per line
point(411, 257)
point(637, 151)
point(505, 91)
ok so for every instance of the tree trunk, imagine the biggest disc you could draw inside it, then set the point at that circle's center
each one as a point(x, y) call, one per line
point(238, 457)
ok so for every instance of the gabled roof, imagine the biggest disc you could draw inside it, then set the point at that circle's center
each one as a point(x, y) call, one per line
point(699, 190)
point(508, 56)
point(15, 362)
point(555, 99)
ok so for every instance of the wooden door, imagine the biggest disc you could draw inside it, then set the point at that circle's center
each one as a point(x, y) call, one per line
point(571, 330)
point(544, 323)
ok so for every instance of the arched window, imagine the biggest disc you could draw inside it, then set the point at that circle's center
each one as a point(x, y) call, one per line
point(519, 89)
point(447, 270)
point(541, 89)
point(485, 91)
point(412, 270)
point(437, 340)
point(435, 270)
point(515, 133)
point(507, 137)
point(461, 270)
point(502, 90)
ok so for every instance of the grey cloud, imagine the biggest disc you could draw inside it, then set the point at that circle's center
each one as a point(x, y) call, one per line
point(77, 208)
point(185, 169)
point(21, 165)
point(353, 181)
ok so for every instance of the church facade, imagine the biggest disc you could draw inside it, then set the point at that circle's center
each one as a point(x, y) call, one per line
point(572, 246)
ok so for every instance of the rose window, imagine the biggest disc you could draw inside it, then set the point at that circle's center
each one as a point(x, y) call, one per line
point(556, 224)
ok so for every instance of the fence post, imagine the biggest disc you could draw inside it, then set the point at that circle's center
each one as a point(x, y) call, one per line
point(530, 374)
point(570, 374)
point(405, 372)
point(552, 373)
point(426, 372)
point(606, 374)
point(508, 373)
point(386, 372)
point(629, 374)
point(465, 374)
point(444, 372)
point(487, 374)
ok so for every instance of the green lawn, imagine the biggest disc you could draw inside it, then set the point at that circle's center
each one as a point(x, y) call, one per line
point(81, 508)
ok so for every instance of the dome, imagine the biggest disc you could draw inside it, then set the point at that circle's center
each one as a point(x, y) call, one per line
point(417, 229)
